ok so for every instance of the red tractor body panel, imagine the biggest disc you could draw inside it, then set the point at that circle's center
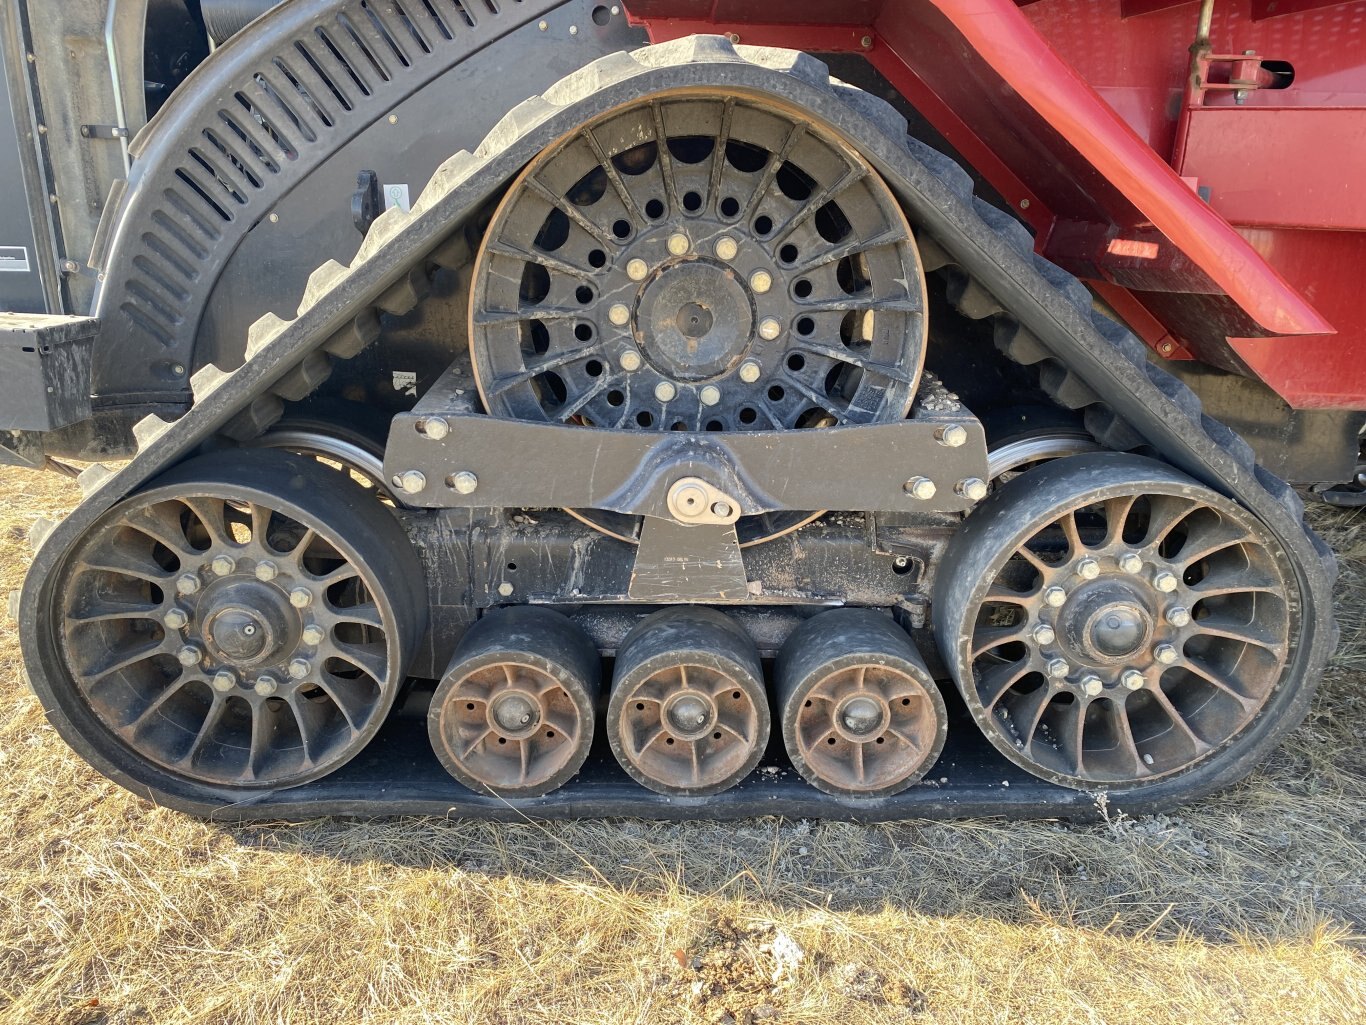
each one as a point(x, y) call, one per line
point(1214, 202)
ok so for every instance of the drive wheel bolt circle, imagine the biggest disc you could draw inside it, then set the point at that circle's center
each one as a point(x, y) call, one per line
point(760, 281)
point(1044, 634)
point(266, 686)
point(187, 584)
point(176, 619)
point(224, 681)
point(1165, 582)
point(1088, 569)
point(619, 314)
point(1059, 668)
point(637, 270)
point(189, 655)
point(266, 571)
point(1092, 685)
point(679, 244)
point(710, 395)
point(301, 597)
point(1131, 563)
point(1055, 597)
point(665, 391)
point(1132, 679)
point(769, 329)
point(629, 361)
point(1166, 654)
point(1178, 615)
point(726, 248)
point(223, 565)
point(313, 634)
point(750, 371)
point(299, 669)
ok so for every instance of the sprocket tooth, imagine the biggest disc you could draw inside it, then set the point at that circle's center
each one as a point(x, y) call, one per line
point(404, 295)
point(207, 379)
point(253, 421)
point(384, 228)
point(452, 173)
point(971, 299)
point(1018, 343)
point(147, 430)
point(39, 531)
point(350, 340)
point(263, 332)
point(320, 282)
point(1066, 388)
point(92, 477)
point(304, 379)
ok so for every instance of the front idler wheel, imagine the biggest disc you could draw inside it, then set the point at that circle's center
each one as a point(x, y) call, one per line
point(861, 715)
point(513, 715)
point(1111, 622)
point(688, 715)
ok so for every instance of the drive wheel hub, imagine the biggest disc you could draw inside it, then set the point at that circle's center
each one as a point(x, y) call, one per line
point(246, 624)
point(694, 322)
point(1107, 623)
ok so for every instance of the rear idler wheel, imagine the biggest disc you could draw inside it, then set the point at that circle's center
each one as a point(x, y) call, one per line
point(513, 715)
point(861, 715)
point(688, 715)
point(1111, 622)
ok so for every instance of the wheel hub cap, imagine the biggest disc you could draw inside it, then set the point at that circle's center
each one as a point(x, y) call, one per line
point(1107, 623)
point(246, 624)
point(695, 321)
point(689, 714)
point(515, 714)
point(862, 716)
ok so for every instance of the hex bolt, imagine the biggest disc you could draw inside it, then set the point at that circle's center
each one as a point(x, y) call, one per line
point(750, 371)
point(679, 244)
point(411, 481)
point(1044, 634)
point(952, 436)
point(1165, 582)
point(187, 583)
point(637, 269)
point(726, 248)
point(974, 489)
point(464, 482)
point(1058, 668)
point(175, 619)
point(1055, 596)
point(266, 571)
point(619, 314)
point(761, 281)
point(301, 597)
point(1178, 615)
point(222, 565)
point(1166, 654)
point(299, 669)
point(313, 635)
point(630, 360)
point(189, 655)
point(1132, 679)
point(266, 686)
point(1131, 563)
point(665, 391)
point(721, 510)
point(1088, 569)
point(920, 487)
point(436, 427)
point(769, 328)
point(505, 589)
point(1092, 685)
point(224, 681)
point(710, 395)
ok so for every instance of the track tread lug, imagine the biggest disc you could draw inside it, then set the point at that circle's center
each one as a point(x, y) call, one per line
point(385, 227)
point(1005, 226)
point(92, 478)
point(206, 380)
point(320, 282)
point(947, 170)
point(148, 430)
point(263, 332)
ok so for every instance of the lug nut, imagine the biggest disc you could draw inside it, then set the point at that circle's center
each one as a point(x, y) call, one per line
point(436, 427)
point(665, 391)
point(1055, 596)
point(750, 371)
point(188, 583)
point(301, 597)
point(464, 482)
point(920, 487)
point(1178, 615)
point(175, 619)
point(267, 571)
point(637, 269)
point(1088, 569)
point(710, 395)
point(266, 686)
point(299, 669)
point(1092, 685)
point(189, 655)
point(1132, 679)
point(629, 360)
point(222, 565)
point(224, 681)
point(769, 328)
point(619, 314)
point(726, 247)
point(411, 481)
point(1131, 563)
point(678, 244)
point(1166, 654)
point(1058, 668)
point(952, 436)
point(313, 634)
point(761, 281)
point(1044, 634)
point(974, 489)
point(1165, 582)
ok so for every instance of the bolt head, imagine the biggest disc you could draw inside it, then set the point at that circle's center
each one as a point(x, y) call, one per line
point(189, 655)
point(920, 487)
point(464, 482)
point(726, 248)
point(1165, 582)
point(665, 391)
point(1055, 596)
point(974, 489)
point(721, 509)
point(224, 681)
point(1178, 615)
point(266, 686)
point(505, 589)
point(952, 436)
point(175, 619)
point(1058, 668)
point(637, 269)
point(1044, 634)
point(313, 634)
point(267, 571)
point(188, 583)
point(1132, 679)
point(630, 360)
point(301, 597)
point(1092, 685)
point(436, 427)
point(769, 328)
point(760, 281)
point(1131, 563)
point(1166, 654)
point(1088, 569)
point(299, 669)
point(679, 244)
point(412, 481)
point(750, 371)
point(710, 395)
point(619, 314)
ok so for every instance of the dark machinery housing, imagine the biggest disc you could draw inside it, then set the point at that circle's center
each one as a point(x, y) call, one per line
point(524, 407)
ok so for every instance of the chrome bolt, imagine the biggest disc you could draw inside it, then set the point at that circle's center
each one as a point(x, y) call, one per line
point(266, 686)
point(411, 481)
point(189, 655)
point(769, 328)
point(1166, 654)
point(1132, 679)
point(619, 314)
point(223, 565)
point(1131, 563)
point(665, 391)
point(1055, 596)
point(1165, 582)
point(630, 360)
point(188, 583)
point(750, 371)
point(637, 269)
point(175, 619)
point(920, 487)
point(721, 510)
point(1088, 569)
point(464, 482)
point(1178, 615)
point(505, 589)
point(436, 427)
point(224, 681)
point(952, 436)
point(974, 489)
point(710, 395)
point(761, 281)
point(679, 244)
point(1092, 685)
point(313, 634)
point(266, 571)
point(1058, 668)
point(1044, 634)
point(299, 669)
point(301, 597)
point(726, 247)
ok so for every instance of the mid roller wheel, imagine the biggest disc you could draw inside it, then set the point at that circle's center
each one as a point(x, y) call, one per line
point(1111, 622)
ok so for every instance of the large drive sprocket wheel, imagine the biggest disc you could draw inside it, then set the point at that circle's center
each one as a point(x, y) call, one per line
point(1111, 622)
point(699, 262)
point(244, 622)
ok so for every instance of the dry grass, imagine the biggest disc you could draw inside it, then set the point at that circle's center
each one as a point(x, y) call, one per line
point(1246, 908)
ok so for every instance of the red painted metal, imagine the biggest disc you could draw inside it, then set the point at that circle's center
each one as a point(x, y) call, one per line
point(1076, 111)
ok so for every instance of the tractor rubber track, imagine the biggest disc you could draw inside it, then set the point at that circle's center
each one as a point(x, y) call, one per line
point(1042, 317)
